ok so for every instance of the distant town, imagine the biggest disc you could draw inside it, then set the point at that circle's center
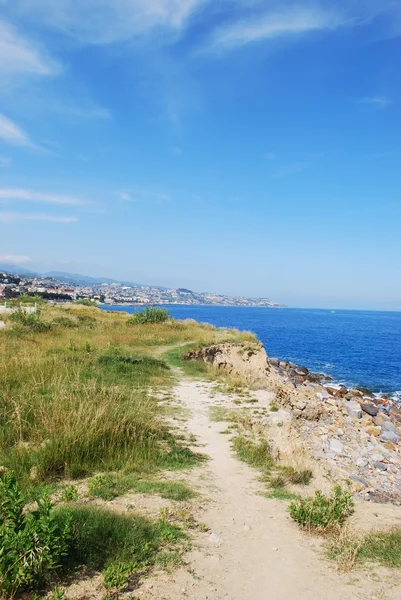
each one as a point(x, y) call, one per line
point(65, 287)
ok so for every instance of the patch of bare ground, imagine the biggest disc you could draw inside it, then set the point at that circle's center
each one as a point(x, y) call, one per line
point(248, 548)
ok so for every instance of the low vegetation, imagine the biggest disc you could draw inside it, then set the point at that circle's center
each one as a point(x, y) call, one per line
point(323, 513)
point(79, 395)
point(277, 475)
point(109, 486)
point(150, 315)
point(350, 548)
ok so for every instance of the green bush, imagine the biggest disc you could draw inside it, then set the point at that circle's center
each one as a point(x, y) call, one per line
point(30, 321)
point(323, 513)
point(32, 543)
point(150, 315)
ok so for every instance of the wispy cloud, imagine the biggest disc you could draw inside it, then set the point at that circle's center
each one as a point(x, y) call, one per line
point(374, 101)
point(12, 134)
point(270, 156)
point(15, 258)
point(142, 195)
point(13, 216)
point(270, 25)
point(31, 196)
point(107, 21)
point(22, 56)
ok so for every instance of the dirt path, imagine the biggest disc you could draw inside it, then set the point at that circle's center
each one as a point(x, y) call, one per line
point(254, 551)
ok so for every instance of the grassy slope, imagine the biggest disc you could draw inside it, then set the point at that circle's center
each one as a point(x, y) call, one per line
point(75, 399)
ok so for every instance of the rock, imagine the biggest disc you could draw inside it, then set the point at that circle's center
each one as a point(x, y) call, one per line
point(360, 480)
point(338, 393)
point(275, 362)
point(380, 466)
point(373, 431)
point(370, 409)
point(379, 420)
point(389, 436)
point(353, 409)
point(214, 538)
point(361, 463)
point(323, 395)
point(335, 446)
point(302, 371)
point(364, 391)
point(389, 426)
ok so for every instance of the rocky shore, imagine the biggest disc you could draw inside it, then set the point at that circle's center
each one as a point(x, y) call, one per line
point(354, 433)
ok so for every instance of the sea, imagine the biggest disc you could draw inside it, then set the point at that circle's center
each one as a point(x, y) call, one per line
point(354, 347)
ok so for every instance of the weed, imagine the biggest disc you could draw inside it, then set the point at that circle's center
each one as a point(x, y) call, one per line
point(150, 314)
point(281, 493)
point(322, 513)
point(70, 494)
point(57, 594)
point(172, 490)
point(273, 407)
point(32, 544)
point(257, 455)
point(383, 547)
point(168, 558)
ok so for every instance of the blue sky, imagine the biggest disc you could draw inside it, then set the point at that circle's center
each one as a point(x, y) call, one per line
point(240, 146)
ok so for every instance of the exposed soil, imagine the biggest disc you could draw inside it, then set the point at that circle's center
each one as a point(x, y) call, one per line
point(252, 550)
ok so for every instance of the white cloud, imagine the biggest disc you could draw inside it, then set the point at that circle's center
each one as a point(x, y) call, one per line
point(15, 258)
point(107, 21)
point(143, 195)
point(12, 216)
point(21, 56)
point(375, 101)
point(31, 196)
point(11, 133)
point(285, 22)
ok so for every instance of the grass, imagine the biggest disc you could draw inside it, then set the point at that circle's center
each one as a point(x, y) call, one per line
point(101, 538)
point(350, 548)
point(220, 413)
point(383, 547)
point(258, 454)
point(110, 486)
point(75, 395)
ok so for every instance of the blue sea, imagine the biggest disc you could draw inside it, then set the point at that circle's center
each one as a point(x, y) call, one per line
point(354, 347)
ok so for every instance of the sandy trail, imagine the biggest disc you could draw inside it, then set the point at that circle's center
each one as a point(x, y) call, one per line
point(254, 551)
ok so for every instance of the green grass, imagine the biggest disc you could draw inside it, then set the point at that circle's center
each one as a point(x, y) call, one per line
point(256, 454)
point(109, 486)
point(191, 368)
point(281, 493)
point(220, 413)
point(101, 538)
point(382, 547)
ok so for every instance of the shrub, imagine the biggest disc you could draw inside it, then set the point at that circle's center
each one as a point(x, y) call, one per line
point(32, 543)
point(30, 321)
point(322, 513)
point(150, 315)
point(70, 494)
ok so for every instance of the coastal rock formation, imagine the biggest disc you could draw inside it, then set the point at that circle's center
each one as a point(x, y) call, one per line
point(356, 434)
point(248, 362)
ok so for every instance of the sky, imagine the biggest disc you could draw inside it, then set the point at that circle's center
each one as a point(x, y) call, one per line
point(246, 147)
